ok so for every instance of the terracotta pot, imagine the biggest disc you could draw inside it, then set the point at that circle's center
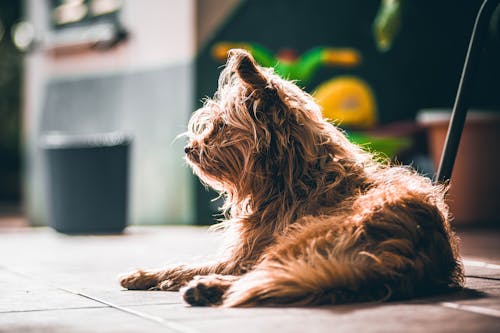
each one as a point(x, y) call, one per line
point(474, 195)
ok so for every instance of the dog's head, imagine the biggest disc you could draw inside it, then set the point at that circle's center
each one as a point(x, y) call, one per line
point(261, 133)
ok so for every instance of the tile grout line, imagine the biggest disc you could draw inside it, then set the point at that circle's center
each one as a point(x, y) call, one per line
point(474, 308)
point(481, 264)
point(56, 309)
point(169, 324)
point(180, 328)
point(482, 277)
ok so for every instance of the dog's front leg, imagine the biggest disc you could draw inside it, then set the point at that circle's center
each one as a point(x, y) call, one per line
point(171, 278)
point(242, 259)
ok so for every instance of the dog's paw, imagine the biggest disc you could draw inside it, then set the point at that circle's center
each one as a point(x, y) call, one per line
point(139, 280)
point(203, 292)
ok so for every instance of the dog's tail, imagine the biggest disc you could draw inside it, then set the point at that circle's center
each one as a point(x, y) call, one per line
point(316, 280)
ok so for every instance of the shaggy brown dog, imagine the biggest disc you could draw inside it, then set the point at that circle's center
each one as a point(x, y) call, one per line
point(313, 218)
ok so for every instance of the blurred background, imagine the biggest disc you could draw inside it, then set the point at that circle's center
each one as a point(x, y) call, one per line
point(95, 74)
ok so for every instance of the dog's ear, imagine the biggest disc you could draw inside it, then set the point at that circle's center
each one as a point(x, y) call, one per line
point(247, 69)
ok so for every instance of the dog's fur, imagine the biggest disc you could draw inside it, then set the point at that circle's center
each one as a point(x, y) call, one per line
point(314, 218)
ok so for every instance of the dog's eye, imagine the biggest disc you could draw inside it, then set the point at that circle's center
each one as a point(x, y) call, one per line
point(217, 127)
point(220, 126)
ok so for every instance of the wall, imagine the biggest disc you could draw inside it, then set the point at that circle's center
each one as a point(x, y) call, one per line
point(143, 87)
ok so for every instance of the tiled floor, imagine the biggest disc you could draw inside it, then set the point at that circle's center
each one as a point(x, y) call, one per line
point(55, 283)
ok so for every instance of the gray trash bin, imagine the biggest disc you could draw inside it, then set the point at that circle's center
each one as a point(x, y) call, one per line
point(87, 182)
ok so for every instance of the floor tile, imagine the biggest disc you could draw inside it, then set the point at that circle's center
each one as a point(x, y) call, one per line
point(481, 267)
point(78, 320)
point(382, 318)
point(57, 283)
point(480, 244)
point(133, 297)
point(18, 293)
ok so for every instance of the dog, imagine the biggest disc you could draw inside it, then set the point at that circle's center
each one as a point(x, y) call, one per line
point(311, 218)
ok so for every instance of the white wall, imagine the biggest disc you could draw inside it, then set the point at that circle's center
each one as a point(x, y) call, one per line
point(148, 84)
point(162, 32)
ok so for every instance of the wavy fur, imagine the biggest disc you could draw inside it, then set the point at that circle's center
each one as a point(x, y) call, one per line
point(313, 218)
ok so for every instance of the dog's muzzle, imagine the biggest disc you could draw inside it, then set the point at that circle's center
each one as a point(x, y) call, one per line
point(192, 153)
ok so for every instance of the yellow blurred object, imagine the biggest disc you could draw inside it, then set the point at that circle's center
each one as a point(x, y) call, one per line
point(347, 100)
point(220, 50)
point(343, 57)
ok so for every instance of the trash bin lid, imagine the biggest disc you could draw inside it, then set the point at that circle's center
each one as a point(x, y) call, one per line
point(60, 140)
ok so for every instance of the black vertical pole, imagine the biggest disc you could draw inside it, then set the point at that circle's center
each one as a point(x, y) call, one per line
point(462, 99)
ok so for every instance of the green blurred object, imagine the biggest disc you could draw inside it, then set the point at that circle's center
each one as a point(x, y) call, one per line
point(388, 146)
point(387, 24)
point(290, 65)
